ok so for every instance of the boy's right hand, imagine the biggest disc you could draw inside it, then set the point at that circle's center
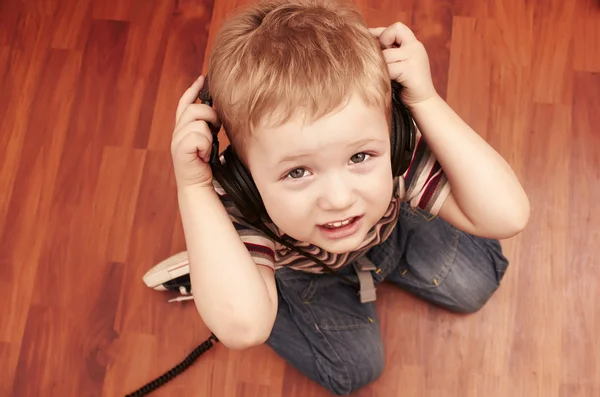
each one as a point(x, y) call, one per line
point(192, 139)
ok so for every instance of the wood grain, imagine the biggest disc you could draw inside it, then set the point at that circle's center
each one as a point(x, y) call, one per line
point(88, 202)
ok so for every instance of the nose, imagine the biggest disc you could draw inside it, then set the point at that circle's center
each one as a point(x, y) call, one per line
point(336, 194)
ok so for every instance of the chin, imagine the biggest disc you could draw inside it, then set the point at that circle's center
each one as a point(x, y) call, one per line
point(342, 246)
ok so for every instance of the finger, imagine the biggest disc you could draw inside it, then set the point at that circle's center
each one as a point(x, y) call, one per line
point(392, 55)
point(205, 148)
point(196, 127)
point(189, 96)
point(194, 145)
point(197, 112)
point(376, 32)
point(396, 34)
point(397, 71)
point(197, 144)
point(191, 147)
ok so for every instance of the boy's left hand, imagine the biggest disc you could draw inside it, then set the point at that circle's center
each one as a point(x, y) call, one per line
point(407, 62)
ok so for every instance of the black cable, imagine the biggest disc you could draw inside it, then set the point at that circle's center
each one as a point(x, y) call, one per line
point(175, 371)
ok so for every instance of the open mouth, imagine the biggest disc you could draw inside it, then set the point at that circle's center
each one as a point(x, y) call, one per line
point(342, 228)
point(340, 224)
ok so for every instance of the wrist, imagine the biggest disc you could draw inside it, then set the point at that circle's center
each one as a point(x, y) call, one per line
point(425, 104)
point(195, 191)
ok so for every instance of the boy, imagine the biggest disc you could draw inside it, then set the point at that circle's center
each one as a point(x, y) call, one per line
point(302, 88)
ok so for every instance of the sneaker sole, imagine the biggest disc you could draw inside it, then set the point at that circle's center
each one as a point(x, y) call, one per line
point(167, 270)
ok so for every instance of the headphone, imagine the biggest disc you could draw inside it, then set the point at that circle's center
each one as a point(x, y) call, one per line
point(236, 180)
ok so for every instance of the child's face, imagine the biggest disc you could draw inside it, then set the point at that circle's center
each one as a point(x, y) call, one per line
point(337, 169)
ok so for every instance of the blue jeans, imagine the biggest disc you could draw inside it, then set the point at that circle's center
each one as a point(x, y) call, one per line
point(324, 331)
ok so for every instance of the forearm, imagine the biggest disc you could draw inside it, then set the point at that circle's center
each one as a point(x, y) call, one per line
point(229, 292)
point(484, 186)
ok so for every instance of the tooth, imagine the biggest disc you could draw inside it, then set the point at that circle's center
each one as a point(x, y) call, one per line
point(339, 224)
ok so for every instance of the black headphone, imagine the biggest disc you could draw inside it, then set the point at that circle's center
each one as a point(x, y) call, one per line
point(237, 182)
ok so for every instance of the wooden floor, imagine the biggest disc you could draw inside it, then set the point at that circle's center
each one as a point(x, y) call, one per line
point(88, 90)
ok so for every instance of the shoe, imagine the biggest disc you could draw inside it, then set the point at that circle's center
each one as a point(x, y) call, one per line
point(171, 274)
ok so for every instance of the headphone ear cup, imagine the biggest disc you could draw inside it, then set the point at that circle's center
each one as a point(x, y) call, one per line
point(237, 182)
point(232, 175)
point(403, 133)
point(397, 136)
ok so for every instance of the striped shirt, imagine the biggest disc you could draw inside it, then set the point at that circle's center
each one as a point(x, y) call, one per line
point(423, 185)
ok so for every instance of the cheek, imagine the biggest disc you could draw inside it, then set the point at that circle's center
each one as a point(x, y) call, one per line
point(378, 187)
point(287, 209)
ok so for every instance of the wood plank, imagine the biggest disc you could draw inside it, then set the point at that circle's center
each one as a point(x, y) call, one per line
point(4, 58)
point(471, 66)
point(47, 341)
point(183, 57)
point(134, 357)
point(476, 9)
point(586, 37)
point(552, 54)
point(22, 236)
point(432, 24)
point(9, 357)
point(112, 10)
point(24, 68)
point(535, 352)
point(386, 12)
point(10, 12)
point(155, 210)
point(73, 21)
point(514, 39)
point(139, 79)
point(581, 350)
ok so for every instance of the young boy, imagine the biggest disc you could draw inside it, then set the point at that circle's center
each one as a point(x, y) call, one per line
point(303, 91)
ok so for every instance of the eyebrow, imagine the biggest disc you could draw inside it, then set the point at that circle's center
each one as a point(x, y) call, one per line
point(357, 144)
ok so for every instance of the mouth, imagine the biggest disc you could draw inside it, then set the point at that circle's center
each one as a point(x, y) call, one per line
point(341, 229)
point(341, 223)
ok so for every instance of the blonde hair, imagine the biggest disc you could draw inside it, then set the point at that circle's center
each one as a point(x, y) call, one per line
point(279, 59)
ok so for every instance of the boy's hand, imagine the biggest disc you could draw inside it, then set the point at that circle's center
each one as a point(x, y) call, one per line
point(407, 61)
point(192, 139)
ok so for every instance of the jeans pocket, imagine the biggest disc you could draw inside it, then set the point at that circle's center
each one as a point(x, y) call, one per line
point(416, 213)
point(492, 249)
point(429, 253)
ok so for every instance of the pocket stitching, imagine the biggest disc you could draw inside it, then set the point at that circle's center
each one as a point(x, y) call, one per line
point(442, 273)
